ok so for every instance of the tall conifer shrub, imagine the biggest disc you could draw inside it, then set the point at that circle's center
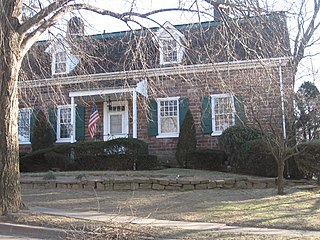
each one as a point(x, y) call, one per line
point(187, 141)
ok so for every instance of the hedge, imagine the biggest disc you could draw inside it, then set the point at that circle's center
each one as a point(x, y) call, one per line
point(308, 159)
point(207, 159)
point(117, 154)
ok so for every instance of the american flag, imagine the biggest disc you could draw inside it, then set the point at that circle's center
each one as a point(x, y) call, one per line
point(94, 117)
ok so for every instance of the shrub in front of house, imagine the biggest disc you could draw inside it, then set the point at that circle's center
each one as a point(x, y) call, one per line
point(232, 139)
point(308, 159)
point(41, 132)
point(187, 141)
point(255, 159)
point(207, 159)
point(117, 154)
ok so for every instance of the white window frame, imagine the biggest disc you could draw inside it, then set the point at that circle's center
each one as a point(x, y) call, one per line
point(172, 134)
point(59, 139)
point(55, 62)
point(29, 111)
point(213, 99)
point(106, 120)
point(178, 48)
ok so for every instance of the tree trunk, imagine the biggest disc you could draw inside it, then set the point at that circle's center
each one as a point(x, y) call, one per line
point(280, 182)
point(10, 192)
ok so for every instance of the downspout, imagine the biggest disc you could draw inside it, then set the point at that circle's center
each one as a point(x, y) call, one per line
point(283, 113)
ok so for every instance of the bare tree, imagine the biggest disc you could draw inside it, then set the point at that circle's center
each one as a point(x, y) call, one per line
point(17, 35)
point(19, 32)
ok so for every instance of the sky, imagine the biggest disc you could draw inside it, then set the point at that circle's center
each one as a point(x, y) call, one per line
point(308, 71)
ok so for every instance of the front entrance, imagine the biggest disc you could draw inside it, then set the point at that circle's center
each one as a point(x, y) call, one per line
point(115, 120)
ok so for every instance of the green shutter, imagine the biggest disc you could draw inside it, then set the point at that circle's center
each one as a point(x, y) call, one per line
point(53, 123)
point(240, 116)
point(183, 108)
point(80, 111)
point(206, 115)
point(153, 118)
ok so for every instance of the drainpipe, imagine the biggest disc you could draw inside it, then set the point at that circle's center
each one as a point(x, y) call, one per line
point(283, 113)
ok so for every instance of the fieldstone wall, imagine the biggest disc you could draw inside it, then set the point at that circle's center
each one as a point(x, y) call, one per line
point(159, 184)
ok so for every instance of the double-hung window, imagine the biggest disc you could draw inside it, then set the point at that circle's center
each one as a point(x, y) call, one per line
point(169, 50)
point(60, 64)
point(24, 128)
point(168, 117)
point(223, 112)
point(64, 123)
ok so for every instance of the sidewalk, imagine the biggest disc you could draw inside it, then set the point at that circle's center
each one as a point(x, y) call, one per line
point(197, 226)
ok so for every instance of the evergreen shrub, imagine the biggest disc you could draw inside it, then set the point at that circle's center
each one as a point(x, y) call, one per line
point(41, 132)
point(308, 159)
point(207, 159)
point(187, 141)
point(116, 154)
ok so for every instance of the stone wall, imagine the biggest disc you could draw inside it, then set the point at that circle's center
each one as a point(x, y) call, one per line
point(152, 184)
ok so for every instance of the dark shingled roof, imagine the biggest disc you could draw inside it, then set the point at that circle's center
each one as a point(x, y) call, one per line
point(206, 42)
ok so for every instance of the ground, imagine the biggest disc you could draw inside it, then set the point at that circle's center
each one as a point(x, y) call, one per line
point(298, 209)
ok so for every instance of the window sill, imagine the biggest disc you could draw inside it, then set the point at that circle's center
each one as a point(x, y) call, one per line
point(173, 135)
point(64, 140)
point(216, 134)
point(24, 143)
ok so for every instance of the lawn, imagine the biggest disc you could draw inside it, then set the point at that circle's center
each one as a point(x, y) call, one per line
point(298, 209)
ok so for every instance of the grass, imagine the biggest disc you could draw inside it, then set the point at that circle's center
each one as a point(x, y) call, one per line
point(248, 207)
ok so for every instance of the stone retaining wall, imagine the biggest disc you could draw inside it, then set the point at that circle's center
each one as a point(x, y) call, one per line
point(153, 184)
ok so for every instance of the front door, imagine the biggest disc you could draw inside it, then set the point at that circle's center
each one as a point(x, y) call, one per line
point(115, 120)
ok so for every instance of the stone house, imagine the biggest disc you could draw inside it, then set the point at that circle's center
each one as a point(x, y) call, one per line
point(142, 82)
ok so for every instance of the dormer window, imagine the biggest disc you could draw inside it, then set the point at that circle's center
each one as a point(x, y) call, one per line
point(62, 61)
point(171, 44)
point(169, 50)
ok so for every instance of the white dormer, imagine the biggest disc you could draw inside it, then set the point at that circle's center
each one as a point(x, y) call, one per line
point(62, 61)
point(171, 43)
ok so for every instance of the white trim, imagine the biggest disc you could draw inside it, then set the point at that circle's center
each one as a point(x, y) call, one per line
point(59, 139)
point(213, 97)
point(173, 134)
point(29, 110)
point(169, 32)
point(73, 120)
point(106, 120)
point(134, 115)
point(99, 92)
point(157, 72)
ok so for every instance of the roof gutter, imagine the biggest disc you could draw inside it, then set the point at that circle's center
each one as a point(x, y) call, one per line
point(158, 72)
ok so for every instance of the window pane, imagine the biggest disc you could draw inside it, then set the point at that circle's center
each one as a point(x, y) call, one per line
point(169, 50)
point(223, 113)
point(116, 124)
point(65, 123)
point(169, 116)
point(24, 125)
point(61, 62)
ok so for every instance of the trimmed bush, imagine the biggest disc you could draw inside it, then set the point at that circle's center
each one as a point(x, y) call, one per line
point(308, 159)
point(207, 159)
point(117, 154)
point(147, 162)
point(255, 159)
point(187, 141)
point(41, 134)
point(234, 137)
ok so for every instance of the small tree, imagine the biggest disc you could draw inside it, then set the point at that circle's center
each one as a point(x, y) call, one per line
point(41, 137)
point(187, 141)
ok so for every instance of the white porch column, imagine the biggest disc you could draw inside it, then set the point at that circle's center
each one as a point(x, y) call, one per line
point(73, 121)
point(134, 115)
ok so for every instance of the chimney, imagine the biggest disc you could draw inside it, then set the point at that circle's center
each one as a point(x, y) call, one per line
point(75, 27)
point(220, 10)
